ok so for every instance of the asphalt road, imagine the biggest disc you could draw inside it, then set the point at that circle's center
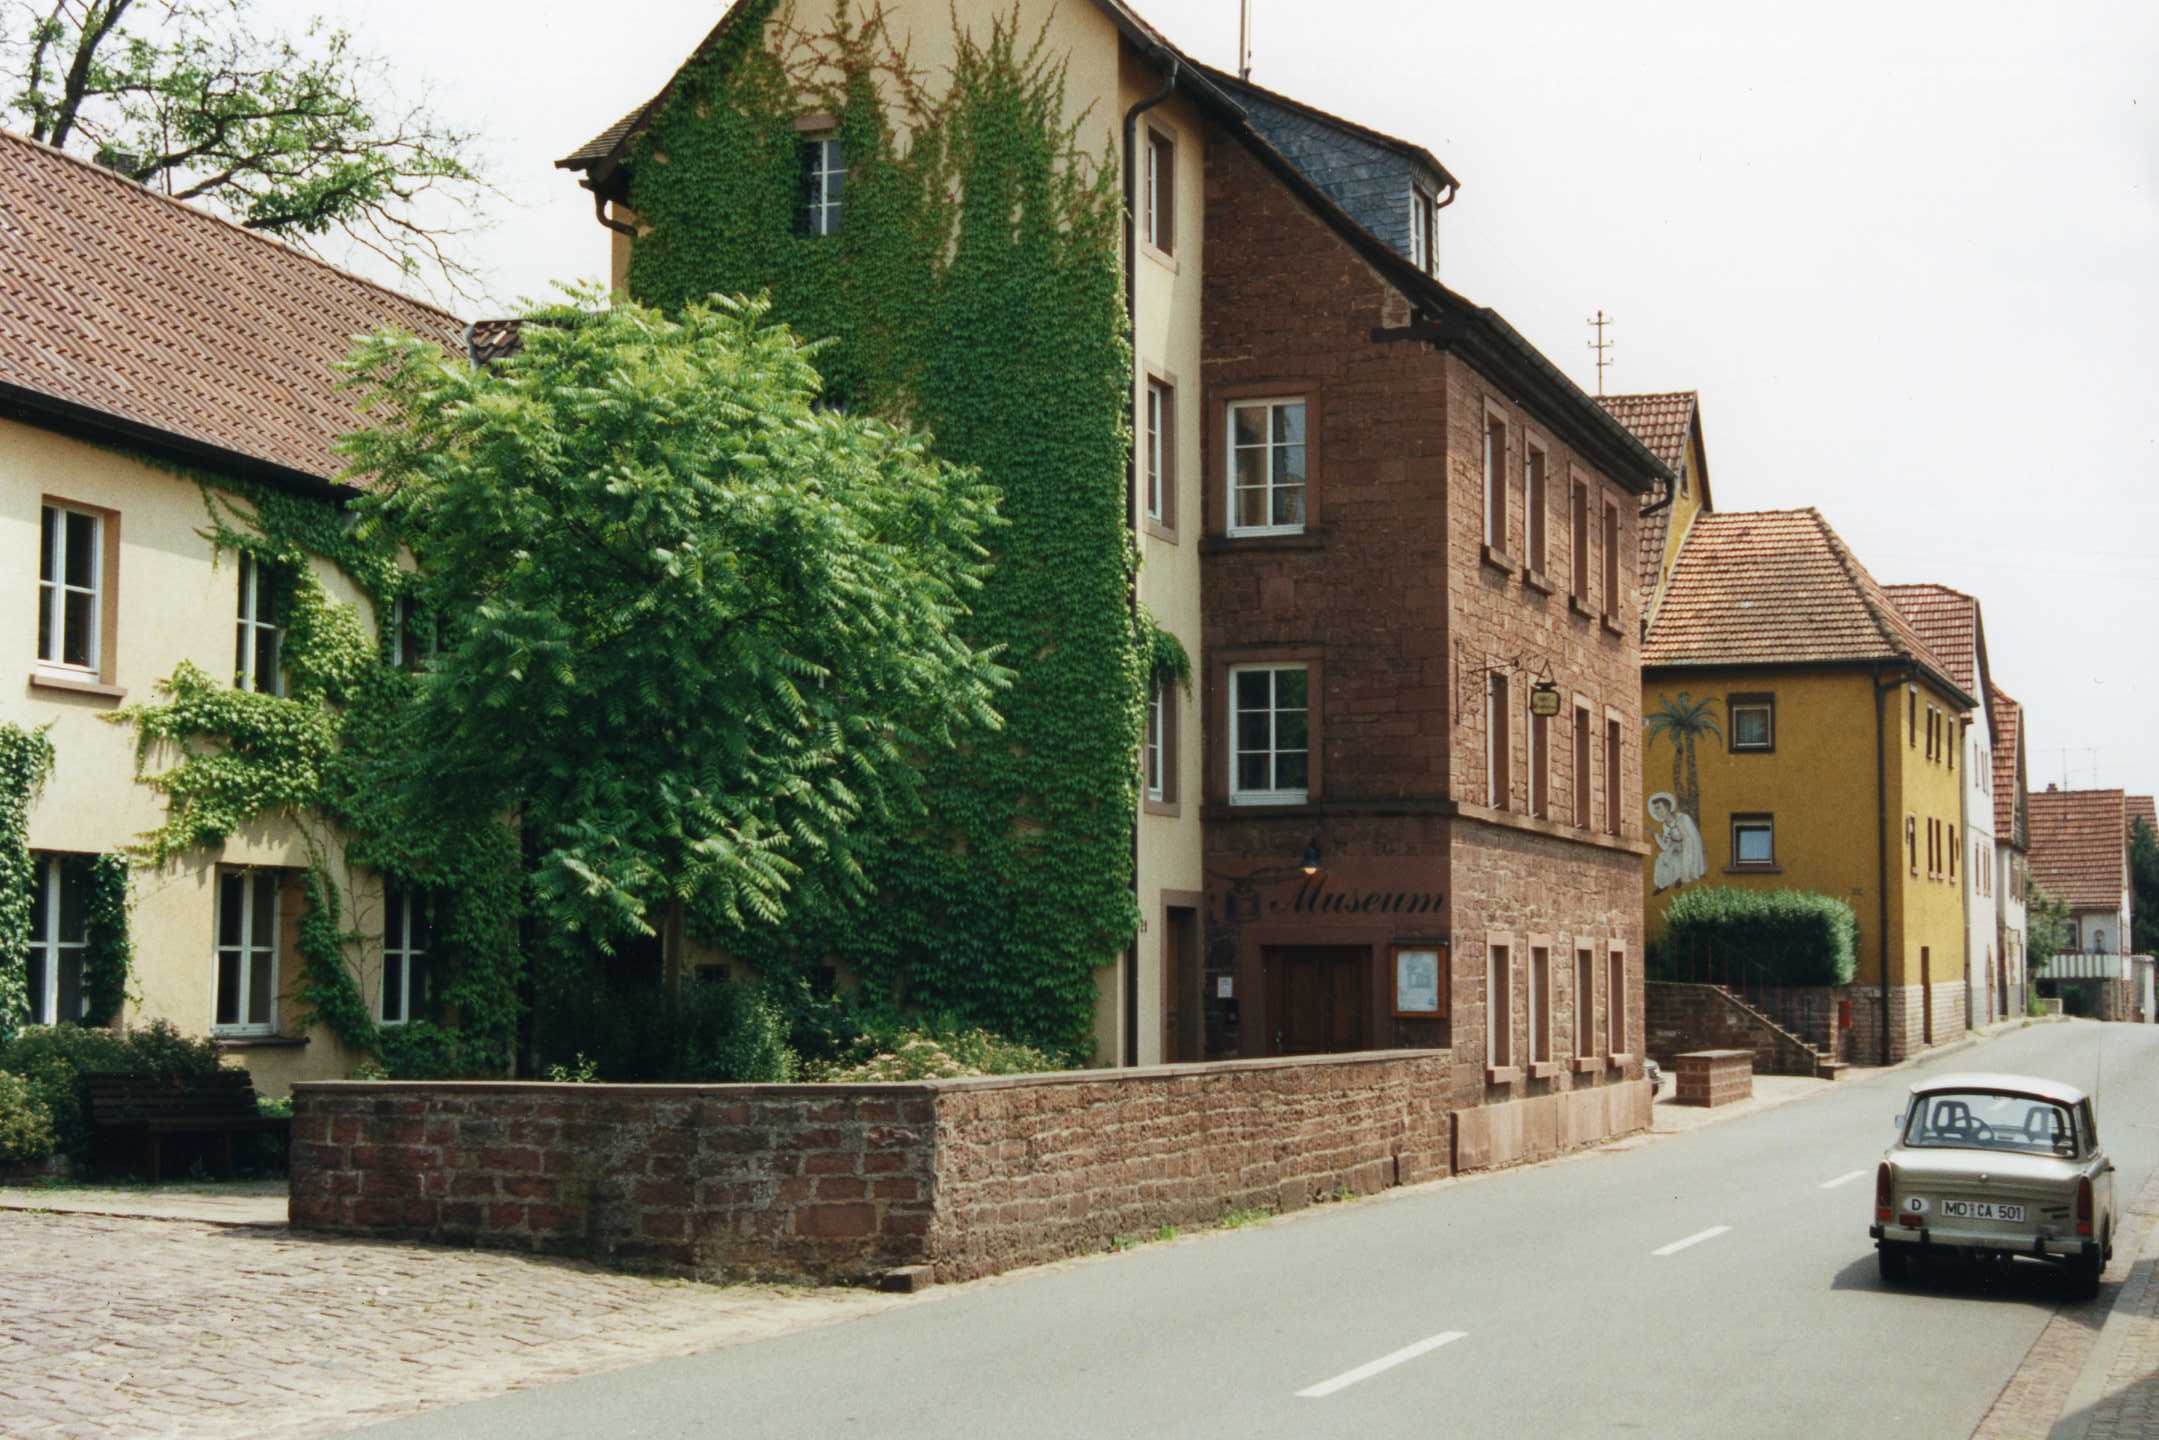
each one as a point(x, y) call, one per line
point(1715, 1283)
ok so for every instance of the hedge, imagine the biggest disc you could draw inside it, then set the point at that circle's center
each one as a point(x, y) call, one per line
point(1795, 937)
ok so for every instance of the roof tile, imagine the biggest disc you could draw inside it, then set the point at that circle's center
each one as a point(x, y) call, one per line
point(2078, 847)
point(1661, 422)
point(2008, 718)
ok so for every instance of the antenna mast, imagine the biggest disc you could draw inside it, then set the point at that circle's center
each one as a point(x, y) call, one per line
point(1602, 346)
point(1244, 39)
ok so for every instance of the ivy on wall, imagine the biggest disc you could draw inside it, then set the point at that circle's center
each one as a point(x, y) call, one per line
point(25, 761)
point(973, 291)
point(108, 955)
point(329, 757)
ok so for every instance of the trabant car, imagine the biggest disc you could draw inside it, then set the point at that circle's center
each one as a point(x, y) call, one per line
point(1993, 1167)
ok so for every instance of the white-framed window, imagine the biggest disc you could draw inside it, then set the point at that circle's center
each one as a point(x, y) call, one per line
point(259, 639)
point(408, 935)
point(1270, 735)
point(1498, 1005)
point(1495, 482)
point(1754, 723)
point(1423, 229)
point(1157, 771)
point(1161, 197)
point(247, 923)
point(71, 587)
point(1498, 744)
point(1754, 840)
point(1267, 453)
point(413, 635)
point(1158, 432)
point(824, 186)
point(59, 929)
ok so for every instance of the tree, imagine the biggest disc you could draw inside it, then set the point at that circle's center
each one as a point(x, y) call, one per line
point(1683, 720)
point(288, 136)
point(2144, 888)
point(2048, 928)
point(704, 630)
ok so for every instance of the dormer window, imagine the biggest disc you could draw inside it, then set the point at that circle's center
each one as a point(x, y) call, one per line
point(1423, 229)
point(824, 182)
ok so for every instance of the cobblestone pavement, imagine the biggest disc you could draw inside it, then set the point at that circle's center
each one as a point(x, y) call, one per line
point(118, 1327)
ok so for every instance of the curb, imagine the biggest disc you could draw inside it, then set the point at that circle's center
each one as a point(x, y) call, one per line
point(2080, 1410)
point(17, 1207)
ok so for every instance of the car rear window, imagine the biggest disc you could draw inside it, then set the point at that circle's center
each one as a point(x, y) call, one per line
point(1990, 1120)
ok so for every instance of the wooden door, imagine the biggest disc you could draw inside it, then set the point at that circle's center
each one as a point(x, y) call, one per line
point(1926, 995)
point(1184, 1021)
point(1317, 998)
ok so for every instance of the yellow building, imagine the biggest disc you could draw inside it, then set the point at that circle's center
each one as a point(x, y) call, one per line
point(148, 353)
point(1801, 735)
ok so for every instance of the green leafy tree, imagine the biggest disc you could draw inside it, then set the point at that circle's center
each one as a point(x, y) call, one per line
point(297, 136)
point(2144, 888)
point(706, 630)
point(2048, 928)
point(1683, 721)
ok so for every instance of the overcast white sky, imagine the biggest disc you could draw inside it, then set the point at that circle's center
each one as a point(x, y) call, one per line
point(1908, 252)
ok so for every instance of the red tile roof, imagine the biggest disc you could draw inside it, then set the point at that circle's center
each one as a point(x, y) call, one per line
point(1948, 620)
point(1778, 587)
point(119, 304)
point(2008, 720)
point(1662, 422)
point(2141, 808)
point(2078, 847)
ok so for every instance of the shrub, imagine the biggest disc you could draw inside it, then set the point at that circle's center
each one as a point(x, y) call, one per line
point(26, 1134)
point(921, 1055)
point(420, 1050)
point(708, 1033)
point(1783, 937)
point(53, 1059)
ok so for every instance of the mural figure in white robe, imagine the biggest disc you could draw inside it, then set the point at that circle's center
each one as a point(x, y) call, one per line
point(1680, 857)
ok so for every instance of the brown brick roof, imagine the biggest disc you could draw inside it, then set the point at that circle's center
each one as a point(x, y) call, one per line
point(1662, 422)
point(1778, 587)
point(2008, 718)
point(2140, 807)
point(1948, 620)
point(119, 306)
point(2078, 840)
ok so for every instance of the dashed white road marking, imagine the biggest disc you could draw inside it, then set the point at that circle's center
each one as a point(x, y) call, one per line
point(1385, 1362)
point(1695, 1239)
point(1845, 1179)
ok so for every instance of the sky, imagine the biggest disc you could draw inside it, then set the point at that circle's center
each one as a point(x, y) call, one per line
point(1908, 253)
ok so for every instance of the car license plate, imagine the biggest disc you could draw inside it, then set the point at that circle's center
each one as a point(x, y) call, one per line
point(1981, 1210)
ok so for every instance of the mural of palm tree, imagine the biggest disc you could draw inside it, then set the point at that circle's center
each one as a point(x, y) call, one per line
point(1683, 720)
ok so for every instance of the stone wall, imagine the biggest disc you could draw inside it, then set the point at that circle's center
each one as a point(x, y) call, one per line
point(1713, 1078)
point(1685, 1017)
point(1907, 1021)
point(840, 1184)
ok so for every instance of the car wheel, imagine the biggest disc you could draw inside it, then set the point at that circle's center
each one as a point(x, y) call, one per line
point(1896, 1265)
point(2084, 1273)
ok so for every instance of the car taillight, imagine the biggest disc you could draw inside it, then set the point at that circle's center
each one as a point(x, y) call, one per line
point(1881, 1194)
point(2084, 1206)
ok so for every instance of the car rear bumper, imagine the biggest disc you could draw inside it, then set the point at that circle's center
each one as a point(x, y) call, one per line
point(1968, 1242)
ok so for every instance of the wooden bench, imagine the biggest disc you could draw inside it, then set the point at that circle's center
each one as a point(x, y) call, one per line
point(148, 1110)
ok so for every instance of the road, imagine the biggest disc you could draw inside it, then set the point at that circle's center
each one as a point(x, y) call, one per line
point(1713, 1283)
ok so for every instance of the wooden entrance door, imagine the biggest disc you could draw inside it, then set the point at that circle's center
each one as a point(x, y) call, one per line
point(1184, 1021)
point(1926, 995)
point(1317, 997)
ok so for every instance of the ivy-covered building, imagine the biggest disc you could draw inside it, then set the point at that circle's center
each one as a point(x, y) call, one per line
point(1390, 544)
point(169, 516)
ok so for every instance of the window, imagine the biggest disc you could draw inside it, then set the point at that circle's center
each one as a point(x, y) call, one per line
point(59, 928)
point(1161, 452)
point(1912, 724)
point(1611, 562)
point(259, 638)
point(824, 186)
point(1423, 229)
point(1495, 482)
point(412, 634)
point(1540, 766)
point(1611, 776)
point(1540, 1004)
point(1616, 1002)
point(1266, 467)
point(408, 935)
point(1498, 1006)
point(1911, 840)
point(1161, 227)
point(71, 587)
point(1270, 739)
point(1581, 766)
point(1533, 508)
point(1498, 784)
point(1157, 755)
point(1754, 841)
point(1951, 848)
point(247, 906)
point(1754, 721)
point(1585, 1002)
point(1578, 531)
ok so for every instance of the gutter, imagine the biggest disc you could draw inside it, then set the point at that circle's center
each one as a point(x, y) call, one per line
point(1881, 840)
point(1128, 1000)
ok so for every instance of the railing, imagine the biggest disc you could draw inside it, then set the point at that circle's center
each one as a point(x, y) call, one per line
point(1752, 983)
